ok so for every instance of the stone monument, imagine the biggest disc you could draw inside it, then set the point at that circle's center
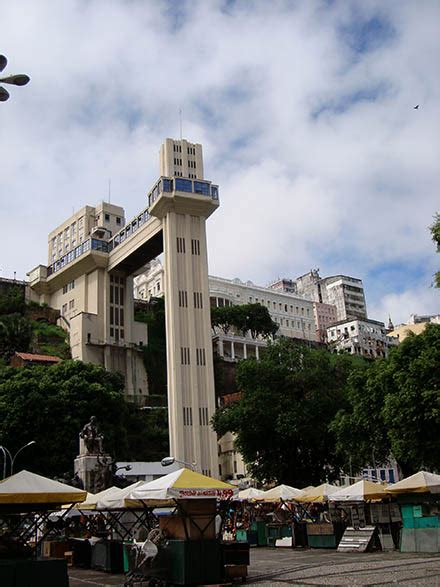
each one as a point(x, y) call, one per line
point(93, 466)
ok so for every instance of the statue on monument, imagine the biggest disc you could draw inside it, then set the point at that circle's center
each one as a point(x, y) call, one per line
point(92, 436)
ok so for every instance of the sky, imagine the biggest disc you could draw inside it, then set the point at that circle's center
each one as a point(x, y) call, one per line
point(305, 110)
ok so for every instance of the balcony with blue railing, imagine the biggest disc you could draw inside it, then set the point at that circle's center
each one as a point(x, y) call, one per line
point(89, 244)
point(163, 185)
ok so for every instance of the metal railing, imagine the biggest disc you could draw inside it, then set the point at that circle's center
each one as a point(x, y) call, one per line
point(164, 184)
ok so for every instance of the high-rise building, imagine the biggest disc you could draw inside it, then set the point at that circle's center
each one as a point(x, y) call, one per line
point(342, 291)
point(93, 257)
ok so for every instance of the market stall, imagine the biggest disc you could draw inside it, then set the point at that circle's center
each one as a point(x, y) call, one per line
point(26, 502)
point(284, 520)
point(113, 524)
point(240, 519)
point(322, 532)
point(369, 522)
point(188, 547)
point(419, 499)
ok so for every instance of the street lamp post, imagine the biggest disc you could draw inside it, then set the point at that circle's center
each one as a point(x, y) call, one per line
point(165, 462)
point(7, 452)
point(19, 79)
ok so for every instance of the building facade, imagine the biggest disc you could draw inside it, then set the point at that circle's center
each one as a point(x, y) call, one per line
point(342, 291)
point(366, 338)
point(96, 306)
point(325, 315)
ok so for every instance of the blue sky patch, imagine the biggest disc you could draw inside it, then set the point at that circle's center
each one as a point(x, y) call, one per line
point(341, 104)
point(363, 36)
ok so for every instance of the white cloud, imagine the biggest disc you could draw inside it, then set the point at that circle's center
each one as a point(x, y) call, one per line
point(399, 306)
point(320, 157)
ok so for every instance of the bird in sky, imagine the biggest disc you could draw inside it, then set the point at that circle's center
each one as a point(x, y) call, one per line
point(416, 107)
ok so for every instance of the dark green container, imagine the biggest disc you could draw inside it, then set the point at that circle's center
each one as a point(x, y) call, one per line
point(322, 541)
point(188, 562)
point(261, 532)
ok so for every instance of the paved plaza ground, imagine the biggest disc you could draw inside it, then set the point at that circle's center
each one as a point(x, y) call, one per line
point(282, 567)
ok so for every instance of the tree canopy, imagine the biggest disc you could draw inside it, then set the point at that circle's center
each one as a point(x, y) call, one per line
point(282, 421)
point(51, 404)
point(252, 318)
point(393, 406)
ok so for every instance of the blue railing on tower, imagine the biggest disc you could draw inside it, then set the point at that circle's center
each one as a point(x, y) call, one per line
point(167, 185)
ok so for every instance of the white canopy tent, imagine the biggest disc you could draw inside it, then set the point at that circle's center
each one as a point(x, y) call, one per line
point(280, 493)
point(248, 494)
point(182, 484)
point(32, 489)
point(360, 491)
point(421, 482)
point(318, 494)
point(114, 497)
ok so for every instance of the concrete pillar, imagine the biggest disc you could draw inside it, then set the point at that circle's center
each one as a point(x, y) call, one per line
point(191, 394)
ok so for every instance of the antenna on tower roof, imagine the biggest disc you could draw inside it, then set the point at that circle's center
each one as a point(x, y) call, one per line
point(180, 120)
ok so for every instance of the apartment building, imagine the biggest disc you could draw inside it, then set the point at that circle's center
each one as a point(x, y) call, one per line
point(367, 338)
point(342, 291)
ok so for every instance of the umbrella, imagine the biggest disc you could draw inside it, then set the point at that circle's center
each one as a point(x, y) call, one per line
point(29, 488)
point(182, 484)
point(421, 482)
point(360, 491)
point(318, 494)
point(280, 493)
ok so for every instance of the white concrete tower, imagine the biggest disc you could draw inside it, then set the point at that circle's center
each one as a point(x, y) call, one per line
point(191, 397)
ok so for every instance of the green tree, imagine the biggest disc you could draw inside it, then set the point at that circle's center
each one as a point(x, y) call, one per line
point(147, 434)
point(359, 426)
point(13, 301)
point(393, 406)
point(224, 318)
point(15, 335)
point(411, 409)
point(252, 318)
point(435, 233)
point(281, 423)
point(51, 405)
point(155, 352)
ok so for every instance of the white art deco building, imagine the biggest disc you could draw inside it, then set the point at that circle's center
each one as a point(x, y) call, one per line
point(93, 257)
